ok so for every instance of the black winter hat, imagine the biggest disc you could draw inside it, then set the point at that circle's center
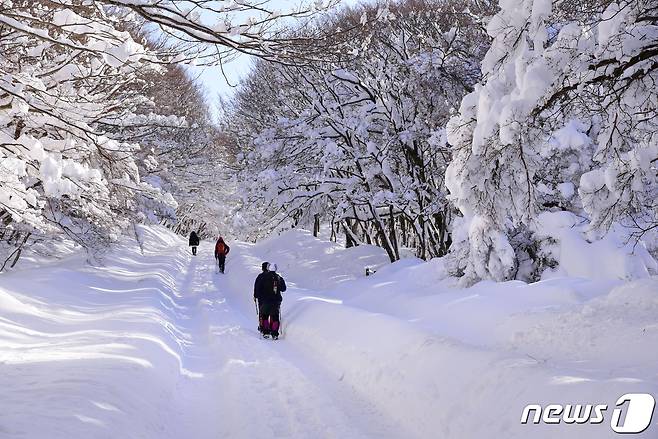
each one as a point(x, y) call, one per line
point(265, 266)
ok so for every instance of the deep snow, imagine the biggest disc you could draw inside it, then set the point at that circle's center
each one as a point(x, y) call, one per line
point(159, 345)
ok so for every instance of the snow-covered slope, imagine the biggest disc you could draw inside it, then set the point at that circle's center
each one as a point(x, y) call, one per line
point(464, 362)
point(159, 345)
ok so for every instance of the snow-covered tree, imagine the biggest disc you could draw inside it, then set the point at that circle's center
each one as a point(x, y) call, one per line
point(213, 31)
point(360, 141)
point(97, 125)
point(565, 119)
point(62, 72)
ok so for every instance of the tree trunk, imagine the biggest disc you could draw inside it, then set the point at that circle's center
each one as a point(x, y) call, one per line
point(316, 225)
point(386, 243)
point(16, 252)
point(393, 233)
point(350, 238)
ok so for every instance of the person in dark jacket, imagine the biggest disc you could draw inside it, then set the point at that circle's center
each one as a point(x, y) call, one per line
point(194, 242)
point(267, 291)
point(221, 250)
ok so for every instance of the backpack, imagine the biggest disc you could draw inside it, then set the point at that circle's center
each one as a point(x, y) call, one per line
point(220, 249)
point(194, 239)
point(275, 285)
point(276, 294)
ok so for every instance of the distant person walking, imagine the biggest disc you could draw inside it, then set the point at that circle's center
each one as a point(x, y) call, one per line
point(194, 242)
point(267, 292)
point(221, 250)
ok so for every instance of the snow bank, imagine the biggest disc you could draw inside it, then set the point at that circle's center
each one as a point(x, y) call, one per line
point(97, 352)
point(614, 330)
point(462, 363)
point(612, 257)
point(438, 387)
point(297, 251)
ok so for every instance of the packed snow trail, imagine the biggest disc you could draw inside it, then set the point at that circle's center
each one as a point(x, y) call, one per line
point(157, 344)
point(263, 388)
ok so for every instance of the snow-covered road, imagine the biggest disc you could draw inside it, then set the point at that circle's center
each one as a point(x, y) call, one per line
point(156, 344)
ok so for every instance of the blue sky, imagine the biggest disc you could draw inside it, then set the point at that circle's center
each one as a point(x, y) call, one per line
point(215, 82)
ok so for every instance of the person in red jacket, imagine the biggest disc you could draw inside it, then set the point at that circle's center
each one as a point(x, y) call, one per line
point(221, 250)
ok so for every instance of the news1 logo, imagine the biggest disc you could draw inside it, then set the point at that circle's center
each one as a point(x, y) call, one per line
point(637, 414)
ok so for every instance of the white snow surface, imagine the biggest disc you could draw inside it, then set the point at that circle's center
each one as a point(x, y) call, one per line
point(157, 344)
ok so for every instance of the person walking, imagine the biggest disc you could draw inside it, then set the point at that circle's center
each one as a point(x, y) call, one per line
point(267, 293)
point(194, 242)
point(221, 250)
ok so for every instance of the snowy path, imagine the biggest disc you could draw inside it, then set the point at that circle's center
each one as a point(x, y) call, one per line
point(260, 388)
